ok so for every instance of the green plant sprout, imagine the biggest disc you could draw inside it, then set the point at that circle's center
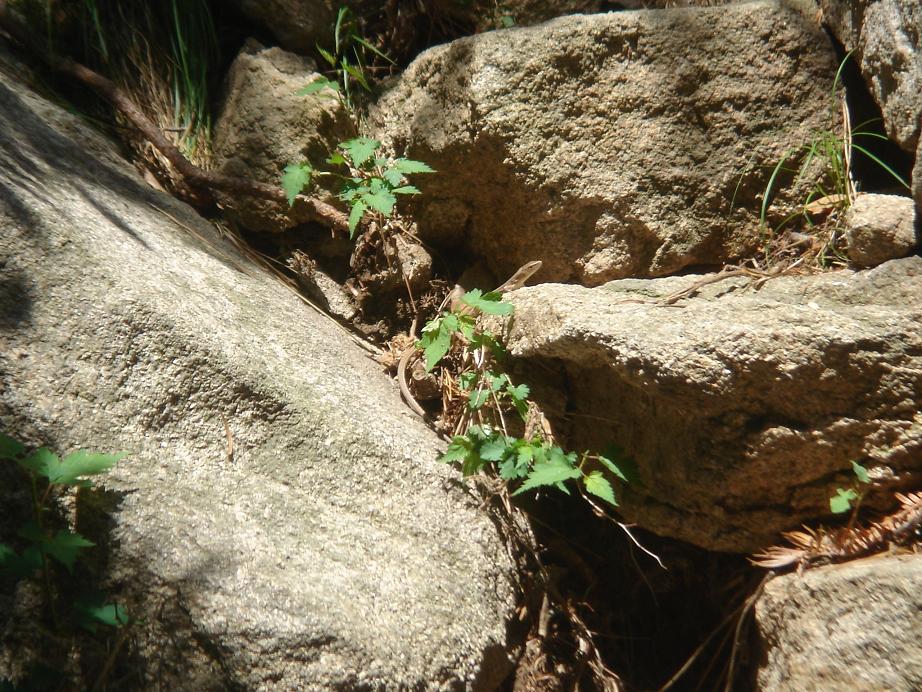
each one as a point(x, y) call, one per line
point(842, 501)
point(371, 183)
point(528, 462)
point(43, 544)
point(348, 59)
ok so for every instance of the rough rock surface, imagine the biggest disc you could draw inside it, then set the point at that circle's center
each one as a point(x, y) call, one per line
point(298, 25)
point(609, 145)
point(742, 408)
point(880, 228)
point(844, 627)
point(886, 36)
point(330, 551)
point(264, 126)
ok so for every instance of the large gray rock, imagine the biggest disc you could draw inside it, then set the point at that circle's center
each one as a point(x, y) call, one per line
point(330, 550)
point(886, 38)
point(879, 228)
point(742, 408)
point(845, 627)
point(610, 145)
point(264, 126)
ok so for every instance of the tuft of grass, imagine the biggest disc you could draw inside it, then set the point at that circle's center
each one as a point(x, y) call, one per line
point(161, 54)
point(830, 149)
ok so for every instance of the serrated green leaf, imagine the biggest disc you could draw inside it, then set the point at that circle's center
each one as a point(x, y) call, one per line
point(318, 85)
point(459, 448)
point(842, 501)
point(599, 486)
point(494, 450)
point(83, 463)
point(487, 303)
point(508, 470)
point(355, 215)
point(613, 467)
point(406, 190)
point(296, 177)
point(10, 448)
point(42, 462)
point(548, 474)
point(393, 177)
point(472, 464)
point(478, 399)
point(65, 546)
point(519, 392)
point(409, 166)
point(861, 473)
point(381, 200)
point(436, 339)
point(467, 380)
point(625, 464)
point(360, 149)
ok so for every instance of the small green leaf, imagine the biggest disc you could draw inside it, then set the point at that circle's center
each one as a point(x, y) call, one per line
point(360, 149)
point(520, 391)
point(436, 339)
point(93, 610)
point(842, 501)
point(65, 546)
point(10, 448)
point(295, 178)
point(861, 473)
point(548, 474)
point(488, 303)
point(626, 466)
point(393, 177)
point(459, 448)
point(599, 486)
point(467, 380)
point(478, 399)
point(317, 85)
point(382, 201)
point(494, 450)
point(406, 190)
point(41, 462)
point(409, 166)
point(355, 215)
point(507, 20)
point(473, 464)
point(83, 463)
point(613, 467)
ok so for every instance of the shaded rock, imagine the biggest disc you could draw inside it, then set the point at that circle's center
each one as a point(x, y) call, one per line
point(742, 408)
point(887, 41)
point(609, 145)
point(329, 550)
point(264, 126)
point(880, 228)
point(529, 12)
point(298, 25)
point(853, 626)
